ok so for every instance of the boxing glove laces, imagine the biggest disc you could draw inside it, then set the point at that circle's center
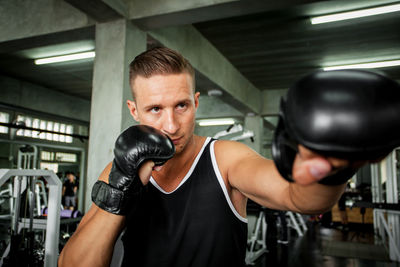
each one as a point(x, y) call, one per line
point(133, 147)
point(348, 114)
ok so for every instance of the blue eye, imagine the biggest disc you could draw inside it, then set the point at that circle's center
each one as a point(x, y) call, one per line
point(182, 105)
point(155, 109)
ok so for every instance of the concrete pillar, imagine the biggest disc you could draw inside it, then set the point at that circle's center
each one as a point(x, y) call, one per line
point(271, 100)
point(117, 43)
point(254, 123)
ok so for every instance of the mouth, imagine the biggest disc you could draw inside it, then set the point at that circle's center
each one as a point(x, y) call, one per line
point(176, 140)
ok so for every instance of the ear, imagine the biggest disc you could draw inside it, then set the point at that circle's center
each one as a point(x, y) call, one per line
point(196, 99)
point(133, 109)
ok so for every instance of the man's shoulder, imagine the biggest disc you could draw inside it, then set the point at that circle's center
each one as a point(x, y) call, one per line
point(229, 153)
point(225, 145)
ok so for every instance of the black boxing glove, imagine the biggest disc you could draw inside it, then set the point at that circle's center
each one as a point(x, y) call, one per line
point(349, 114)
point(133, 146)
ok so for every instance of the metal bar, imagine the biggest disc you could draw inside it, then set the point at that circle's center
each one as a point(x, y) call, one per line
point(376, 226)
point(11, 125)
point(264, 232)
point(5, 254)
point(394, 247)
point(395, 220)
point(294, 223)
point(37, 199)
point(251, 253)
point(82, 175)
point(18, 184)
point(10, 188)
point(41, 195)
point(27, 142)
point(34, 159)
point(391, 197)
point(376, 188)
point(31, 202)
point(302, 223)
point(256, 231)
point(53, 222)
point(396, 212)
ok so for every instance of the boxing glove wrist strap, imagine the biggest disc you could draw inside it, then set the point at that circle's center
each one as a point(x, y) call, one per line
point(110, 199)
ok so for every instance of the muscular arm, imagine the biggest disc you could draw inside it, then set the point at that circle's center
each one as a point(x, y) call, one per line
point(93, 241)
point(258, 179)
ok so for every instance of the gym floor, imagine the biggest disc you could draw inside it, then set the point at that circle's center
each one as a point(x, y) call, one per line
point(322, 247)
point(328, 247)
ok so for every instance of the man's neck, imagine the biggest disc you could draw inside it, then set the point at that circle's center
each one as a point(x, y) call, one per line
point(176, 168)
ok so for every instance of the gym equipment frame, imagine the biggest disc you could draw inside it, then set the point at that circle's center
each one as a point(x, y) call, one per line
point(53, 218)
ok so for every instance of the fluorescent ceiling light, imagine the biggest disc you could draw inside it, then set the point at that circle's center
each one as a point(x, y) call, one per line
point(64, 58)
point(215, 122)
point(355, 14)
point(370, 65)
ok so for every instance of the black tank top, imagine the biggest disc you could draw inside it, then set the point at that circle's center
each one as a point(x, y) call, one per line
point(195, 225)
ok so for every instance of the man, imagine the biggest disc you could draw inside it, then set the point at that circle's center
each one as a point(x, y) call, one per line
point(69, 190)
point(193, 210)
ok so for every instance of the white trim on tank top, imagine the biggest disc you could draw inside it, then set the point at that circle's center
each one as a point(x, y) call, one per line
point(222, 184)
point(187, 174)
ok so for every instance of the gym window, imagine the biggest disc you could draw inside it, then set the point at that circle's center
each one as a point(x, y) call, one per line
point(5, 118)
point(45, 125)
point(65, 157)
point(47, 156)
point(58, 156)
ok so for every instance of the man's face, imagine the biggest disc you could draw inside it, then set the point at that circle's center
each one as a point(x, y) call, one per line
point(167, 103)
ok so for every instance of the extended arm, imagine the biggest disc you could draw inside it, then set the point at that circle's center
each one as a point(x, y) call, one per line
point(258, 179)
point(325, 112)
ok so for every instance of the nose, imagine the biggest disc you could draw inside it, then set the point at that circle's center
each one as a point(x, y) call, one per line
point(170, 124)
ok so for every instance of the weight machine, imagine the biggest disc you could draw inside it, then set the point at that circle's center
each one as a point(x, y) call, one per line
point(256, 244)
point(12, 256)
point(296, 222)
point(26, 194)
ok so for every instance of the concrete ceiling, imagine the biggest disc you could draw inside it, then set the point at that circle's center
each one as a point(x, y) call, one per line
point(73, 78)
point(273, 49)
point(272, 45)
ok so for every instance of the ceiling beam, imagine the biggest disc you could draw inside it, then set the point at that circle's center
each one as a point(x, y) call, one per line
point(101, 10)
point(81, 34)
point(152, 14)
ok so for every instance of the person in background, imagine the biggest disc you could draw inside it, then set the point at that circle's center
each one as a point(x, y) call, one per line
point(69, 190)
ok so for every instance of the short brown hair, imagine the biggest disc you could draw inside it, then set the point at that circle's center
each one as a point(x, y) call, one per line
point(159, 60)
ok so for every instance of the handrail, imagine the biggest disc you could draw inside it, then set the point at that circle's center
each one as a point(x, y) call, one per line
point(379, 213)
